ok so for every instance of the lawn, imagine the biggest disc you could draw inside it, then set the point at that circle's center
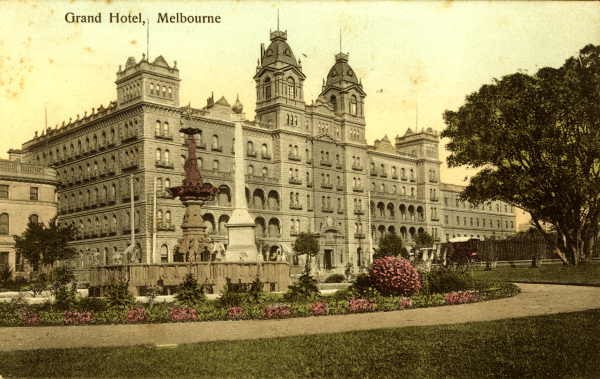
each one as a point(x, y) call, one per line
point(565, 345)
point(551, 273)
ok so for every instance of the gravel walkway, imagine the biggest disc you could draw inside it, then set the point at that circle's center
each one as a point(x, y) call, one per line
point(535, 299)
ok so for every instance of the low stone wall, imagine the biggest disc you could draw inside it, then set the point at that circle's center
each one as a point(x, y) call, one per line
point(274, 275)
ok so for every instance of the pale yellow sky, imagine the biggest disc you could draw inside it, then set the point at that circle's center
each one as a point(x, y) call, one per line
point(436, 52)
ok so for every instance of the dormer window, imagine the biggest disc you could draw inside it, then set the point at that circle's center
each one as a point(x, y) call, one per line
point(333, 101)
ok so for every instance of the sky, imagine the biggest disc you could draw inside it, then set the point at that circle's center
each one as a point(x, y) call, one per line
point(410, 56)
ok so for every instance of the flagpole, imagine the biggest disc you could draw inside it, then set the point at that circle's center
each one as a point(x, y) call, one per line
point(369, 227)
point(154, 226)
point(132, 218)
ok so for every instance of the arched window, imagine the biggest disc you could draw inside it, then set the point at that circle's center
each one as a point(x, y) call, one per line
point(167, 183)
point(159, 217)
point(291, 90)
point(4, 224)
point(158, 155)
point(165, 129)
point(353, 107)
point(265, 171)
point(250, 170)
point(168, 217)
point(250, 148)
point(333, 101)
point(215, 165)
point(157, 128)
point(34, 219)
point(267, 87)
point(215, 142)
point(264, 150)
point(164, 254)
point(166, 156)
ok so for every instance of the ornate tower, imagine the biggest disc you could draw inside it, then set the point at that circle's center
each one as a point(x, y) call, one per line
point(344, 93)
point(156, 82)
point(279, 85)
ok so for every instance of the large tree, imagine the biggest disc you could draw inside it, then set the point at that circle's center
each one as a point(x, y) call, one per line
point(43, 245)
point(536, 140)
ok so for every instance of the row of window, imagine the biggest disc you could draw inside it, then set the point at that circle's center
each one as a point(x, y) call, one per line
point(394, 172)
point(89, 143)
point(474, 222)
point(487, 206)
point(5, 222)
point(161, 89)
point(34, 192)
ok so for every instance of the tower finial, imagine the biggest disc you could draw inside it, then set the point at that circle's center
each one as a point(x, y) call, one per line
point(340, 39)
point(277, 18)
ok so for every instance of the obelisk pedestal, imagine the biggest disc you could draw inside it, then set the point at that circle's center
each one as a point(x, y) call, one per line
point(241, 227)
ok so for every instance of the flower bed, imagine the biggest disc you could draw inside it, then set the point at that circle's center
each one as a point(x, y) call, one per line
point(271, 307)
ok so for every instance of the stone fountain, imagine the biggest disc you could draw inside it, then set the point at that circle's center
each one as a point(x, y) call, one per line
point(193, 193)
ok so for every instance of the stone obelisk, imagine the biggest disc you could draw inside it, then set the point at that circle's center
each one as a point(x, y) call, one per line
point(241, 226)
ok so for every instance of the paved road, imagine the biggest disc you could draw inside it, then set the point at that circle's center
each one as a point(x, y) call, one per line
point(535, 299)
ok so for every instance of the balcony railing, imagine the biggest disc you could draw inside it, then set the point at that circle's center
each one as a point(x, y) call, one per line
point(339, 187)
point(265, 156)
point(164, 136)
point(295, 181)
point(129, 165)
point(373, 172)
point(358, 188)
point(296, 206)
point(357, 167)
point(327, 210)
point(164, 164)
point(165, 226)
point(326, 185)
point(164, 194)
point(251, 154)
point(359, 212)
point(325, 163)
point(293, 157)
point(359, 236)
point(201, 145)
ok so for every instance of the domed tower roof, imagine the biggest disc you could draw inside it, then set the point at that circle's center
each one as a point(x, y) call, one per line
point(279, 50)
point(341, 74)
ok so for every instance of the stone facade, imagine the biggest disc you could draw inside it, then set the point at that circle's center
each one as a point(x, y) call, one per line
point(308, 166)
point(27, 192)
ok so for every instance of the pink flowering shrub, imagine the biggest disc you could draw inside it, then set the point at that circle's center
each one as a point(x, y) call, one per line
point(319, 308)
point(30, 318)
point(235, 313)
point(277, 311)
point(361, 305)
point(77, 318)
point(183, 314)
point(137, 315)
point(405, 302)
point(394, 276)
point(461, 297)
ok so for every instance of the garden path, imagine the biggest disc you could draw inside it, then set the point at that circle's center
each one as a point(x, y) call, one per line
point(535, 299)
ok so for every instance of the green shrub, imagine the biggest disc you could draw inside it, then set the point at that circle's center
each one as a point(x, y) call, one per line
point(305, 289)
point(5, 275)
point(64, 287)
point(92, 304)
point(335, 278)
point(362, 287)
point(118, 296)
point(39, 284)
point(190, 293)
point(446, 280)
point(233, 295)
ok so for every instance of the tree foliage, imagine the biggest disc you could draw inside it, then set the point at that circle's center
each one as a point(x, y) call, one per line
point(390, 245)
point(45, 244)
point(423, 239)
point(306, 244)
point(536, 139)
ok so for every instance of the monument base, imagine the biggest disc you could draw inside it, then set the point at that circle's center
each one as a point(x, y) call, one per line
point(242, 243)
